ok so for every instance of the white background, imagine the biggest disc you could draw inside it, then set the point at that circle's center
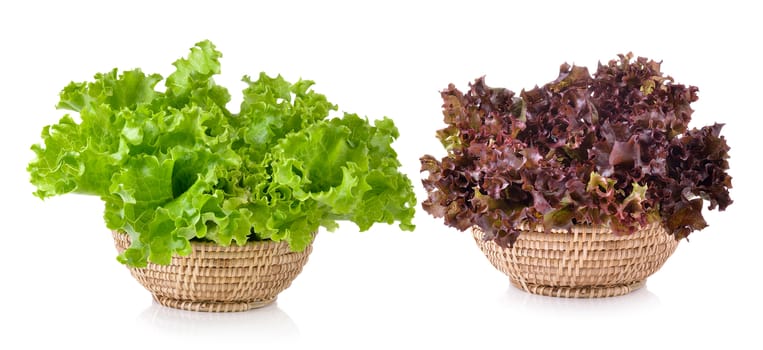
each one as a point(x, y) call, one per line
point(431, 288)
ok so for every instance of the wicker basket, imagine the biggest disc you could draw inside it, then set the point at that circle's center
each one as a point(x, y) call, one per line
point(590, 262)
point(221, 279)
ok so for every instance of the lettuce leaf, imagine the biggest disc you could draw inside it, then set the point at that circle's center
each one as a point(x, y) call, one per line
point(177, 165)
point(611, 148)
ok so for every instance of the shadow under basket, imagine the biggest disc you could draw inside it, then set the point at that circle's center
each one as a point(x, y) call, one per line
point(221, 279)
point(589, 262)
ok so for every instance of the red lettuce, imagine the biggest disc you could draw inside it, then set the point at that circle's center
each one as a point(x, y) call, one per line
point(613, 148)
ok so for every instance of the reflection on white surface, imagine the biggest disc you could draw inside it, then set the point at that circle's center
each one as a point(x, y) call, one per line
point(640, 301)
point(269, 322)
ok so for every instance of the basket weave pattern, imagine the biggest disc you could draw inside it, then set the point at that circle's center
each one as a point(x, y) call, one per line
point(221, 279)
point(589, 262)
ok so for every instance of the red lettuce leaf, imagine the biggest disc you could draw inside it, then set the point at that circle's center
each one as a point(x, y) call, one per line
point(612, 148)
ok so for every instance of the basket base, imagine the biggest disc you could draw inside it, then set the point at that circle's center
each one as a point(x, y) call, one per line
point(212, 306)
point(579, 292)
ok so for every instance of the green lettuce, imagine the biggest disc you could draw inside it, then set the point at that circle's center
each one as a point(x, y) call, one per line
point(176, 165)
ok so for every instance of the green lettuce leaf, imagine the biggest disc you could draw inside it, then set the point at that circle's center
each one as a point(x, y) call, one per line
point(177, 166)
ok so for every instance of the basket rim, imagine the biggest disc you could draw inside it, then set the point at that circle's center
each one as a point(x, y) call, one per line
point(575, 229)
point(212, 246)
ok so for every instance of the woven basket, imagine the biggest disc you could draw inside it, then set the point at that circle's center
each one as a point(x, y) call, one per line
point(221, 279)
point(590, 262)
